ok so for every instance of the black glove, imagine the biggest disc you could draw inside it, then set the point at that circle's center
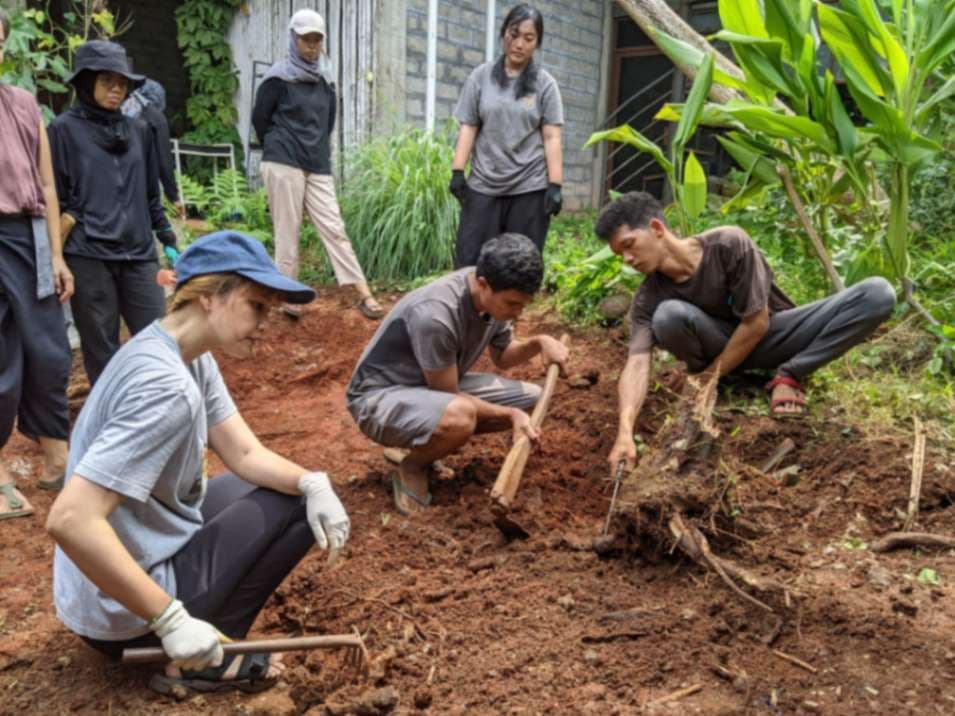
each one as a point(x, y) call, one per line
point(459, 185)
point(553, 200)
point(167, 237)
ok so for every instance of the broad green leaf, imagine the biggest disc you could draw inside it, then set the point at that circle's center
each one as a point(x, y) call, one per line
point(712, 115)
point(784, 25)
point(847, 38)
point(940, 46)
point(742, 16)
point(763, 119)
point(876, 110)
point(928, 576)
point(694, 187)
point(940, 95)
point(909, 148)
point(686, 55)
point(758, 146)
point(839, 119)
point(891, 50)
point(763, 59)
point(626, 134)
point(693, 107)
point(749, 161)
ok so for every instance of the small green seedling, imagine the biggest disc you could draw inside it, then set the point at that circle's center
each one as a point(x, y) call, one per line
point(929, 577)
point(854, 543)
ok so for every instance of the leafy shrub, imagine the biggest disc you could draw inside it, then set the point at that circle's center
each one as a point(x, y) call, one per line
point(401, 219)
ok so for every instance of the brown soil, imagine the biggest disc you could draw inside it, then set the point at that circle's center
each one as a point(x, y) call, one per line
point(460, 621)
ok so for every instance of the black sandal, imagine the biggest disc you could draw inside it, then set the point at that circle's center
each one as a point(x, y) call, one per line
point(251, 677)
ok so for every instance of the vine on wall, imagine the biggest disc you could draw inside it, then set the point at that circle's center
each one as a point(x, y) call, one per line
point(213, 78)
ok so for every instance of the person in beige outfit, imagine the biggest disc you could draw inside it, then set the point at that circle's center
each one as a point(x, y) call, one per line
point(294, 116)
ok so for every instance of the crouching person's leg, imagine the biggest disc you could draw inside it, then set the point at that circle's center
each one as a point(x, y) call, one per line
point(688, 333)
point(251, 539)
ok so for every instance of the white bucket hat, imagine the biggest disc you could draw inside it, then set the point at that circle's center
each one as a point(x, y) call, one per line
point(306, 21)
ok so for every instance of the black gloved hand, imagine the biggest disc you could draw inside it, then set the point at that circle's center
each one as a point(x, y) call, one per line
point(167, 237)
point(553, 200)
point(459, 185)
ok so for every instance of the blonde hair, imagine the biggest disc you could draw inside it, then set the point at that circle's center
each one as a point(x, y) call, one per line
point(210, 284)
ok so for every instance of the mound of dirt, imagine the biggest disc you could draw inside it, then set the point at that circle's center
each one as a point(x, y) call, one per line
point(459, 620)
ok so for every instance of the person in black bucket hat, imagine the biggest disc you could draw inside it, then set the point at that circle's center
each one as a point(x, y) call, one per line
point(107, 178)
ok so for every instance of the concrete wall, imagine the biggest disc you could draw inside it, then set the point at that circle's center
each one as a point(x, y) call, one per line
point(572, 52)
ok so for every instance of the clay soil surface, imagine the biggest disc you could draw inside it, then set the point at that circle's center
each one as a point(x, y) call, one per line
point(461, 621)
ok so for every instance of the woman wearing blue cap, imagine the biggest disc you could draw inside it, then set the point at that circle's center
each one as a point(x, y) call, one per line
point(107, 178)
point(149, 550)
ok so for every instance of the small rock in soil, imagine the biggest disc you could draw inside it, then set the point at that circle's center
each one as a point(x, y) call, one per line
point(575, 542)
point(271, 703)
point(904, 606)
point(370, 702)
point(423, 698)
point(567, 602)
point(591, 657)
point(879, 576)
point(593, 691)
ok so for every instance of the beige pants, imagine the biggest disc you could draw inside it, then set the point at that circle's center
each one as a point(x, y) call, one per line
point(290, 191)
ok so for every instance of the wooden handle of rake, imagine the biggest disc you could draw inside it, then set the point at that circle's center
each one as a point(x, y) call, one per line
point(509, 478)
point(155, 654)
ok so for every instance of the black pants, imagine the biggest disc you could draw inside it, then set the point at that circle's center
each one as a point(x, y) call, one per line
point(483, 217)
point(35, 356)
point(106, 290)
point(799, 341)
point(250, 540)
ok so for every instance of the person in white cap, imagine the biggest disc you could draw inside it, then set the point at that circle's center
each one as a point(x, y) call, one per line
point(294, 116)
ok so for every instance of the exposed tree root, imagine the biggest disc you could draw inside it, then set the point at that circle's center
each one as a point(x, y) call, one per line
point(901, 540)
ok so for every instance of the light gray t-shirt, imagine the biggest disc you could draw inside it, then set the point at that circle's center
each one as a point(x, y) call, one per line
point(508, 156)
point(430, 329)
point(142, 433)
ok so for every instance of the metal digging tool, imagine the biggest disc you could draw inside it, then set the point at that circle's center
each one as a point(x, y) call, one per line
point(509, 478)
point(618, 473)
point(357, 656)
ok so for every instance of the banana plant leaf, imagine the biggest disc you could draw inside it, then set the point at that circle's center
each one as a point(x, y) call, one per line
point(693, 108)
point(694, 187)
point(750, 162)
point(626, 134)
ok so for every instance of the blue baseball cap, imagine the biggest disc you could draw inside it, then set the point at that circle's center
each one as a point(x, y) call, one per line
point(232, 252)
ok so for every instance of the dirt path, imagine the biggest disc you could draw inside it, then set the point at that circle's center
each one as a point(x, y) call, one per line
point(462, 622)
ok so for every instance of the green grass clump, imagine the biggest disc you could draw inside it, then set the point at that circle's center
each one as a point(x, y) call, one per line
point(400, 217)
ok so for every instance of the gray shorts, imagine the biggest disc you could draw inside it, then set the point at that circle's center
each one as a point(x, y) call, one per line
point(407, 416)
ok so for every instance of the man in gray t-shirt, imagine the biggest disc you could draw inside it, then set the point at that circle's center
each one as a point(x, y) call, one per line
point(412, 387)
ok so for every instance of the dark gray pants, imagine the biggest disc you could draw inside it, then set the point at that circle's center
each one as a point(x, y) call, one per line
point(106, 290)
point(483, 217)
point(799, 341)
point(250, 540)
point(35, 358)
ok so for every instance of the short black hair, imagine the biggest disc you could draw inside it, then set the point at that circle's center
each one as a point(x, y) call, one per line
point(634, 209)
point(511, 261)
point(5, 21)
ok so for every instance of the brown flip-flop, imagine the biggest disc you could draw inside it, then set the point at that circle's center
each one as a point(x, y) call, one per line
point(372, 314)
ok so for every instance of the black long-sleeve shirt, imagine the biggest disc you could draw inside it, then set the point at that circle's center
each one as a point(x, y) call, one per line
point(160, 129)
point(294, 122)
point(115, 198)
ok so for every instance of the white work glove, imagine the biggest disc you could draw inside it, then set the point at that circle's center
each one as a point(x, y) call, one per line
point(190, 643)
point(326, 514)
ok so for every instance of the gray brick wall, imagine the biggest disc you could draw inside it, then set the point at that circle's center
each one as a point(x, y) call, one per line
point(571, 52)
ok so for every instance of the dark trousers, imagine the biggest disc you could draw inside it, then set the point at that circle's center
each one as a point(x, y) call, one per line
point(35, 358)
point(799, 341)
point(106, 290)
point(250, 540)
point(483, 217)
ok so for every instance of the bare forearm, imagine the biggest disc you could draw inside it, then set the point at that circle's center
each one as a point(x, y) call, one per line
point(554, 155)
point(93, 546)
point(632, 391)
point(53, 220)
point(462, 150)
point(518, 352)
point(264, 468)
point(744, 339)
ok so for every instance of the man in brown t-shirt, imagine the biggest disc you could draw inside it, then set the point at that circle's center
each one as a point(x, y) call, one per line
point(710, 300)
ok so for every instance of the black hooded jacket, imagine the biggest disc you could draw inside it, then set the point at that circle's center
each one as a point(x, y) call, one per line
point(113, 195)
